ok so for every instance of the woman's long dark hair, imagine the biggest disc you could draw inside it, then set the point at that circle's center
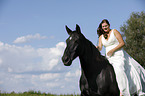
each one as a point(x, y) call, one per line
point(100, 31)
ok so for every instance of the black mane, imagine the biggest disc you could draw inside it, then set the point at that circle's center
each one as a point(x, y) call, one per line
point(92, 51)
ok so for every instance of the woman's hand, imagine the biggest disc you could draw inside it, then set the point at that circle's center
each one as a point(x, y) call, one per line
point(97, 46)
point(110, 53)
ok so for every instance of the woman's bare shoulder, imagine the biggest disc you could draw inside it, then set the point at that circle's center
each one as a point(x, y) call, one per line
point(116, 32)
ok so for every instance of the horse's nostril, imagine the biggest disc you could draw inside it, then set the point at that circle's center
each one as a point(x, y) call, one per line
point(64, 59)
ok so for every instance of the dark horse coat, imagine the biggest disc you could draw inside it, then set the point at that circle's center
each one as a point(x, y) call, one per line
point(98, 76)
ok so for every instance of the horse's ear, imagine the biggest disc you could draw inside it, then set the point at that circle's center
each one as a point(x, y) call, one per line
point(78, 28)
point(68, 30)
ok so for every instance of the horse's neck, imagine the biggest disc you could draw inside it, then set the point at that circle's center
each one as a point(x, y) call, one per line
point(91, 60)
point(88, 54)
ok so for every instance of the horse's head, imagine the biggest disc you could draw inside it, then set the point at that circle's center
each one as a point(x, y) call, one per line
point(71, 49)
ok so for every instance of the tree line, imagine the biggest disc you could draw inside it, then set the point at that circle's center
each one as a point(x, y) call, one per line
point(134, 32)
point(34, 93)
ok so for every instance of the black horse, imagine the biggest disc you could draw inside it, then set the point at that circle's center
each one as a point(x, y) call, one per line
point(98, 76)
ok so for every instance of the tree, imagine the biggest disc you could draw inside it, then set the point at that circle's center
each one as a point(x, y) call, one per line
point(134, 33)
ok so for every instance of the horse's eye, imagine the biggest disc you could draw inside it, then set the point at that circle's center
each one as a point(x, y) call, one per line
point(70, 38)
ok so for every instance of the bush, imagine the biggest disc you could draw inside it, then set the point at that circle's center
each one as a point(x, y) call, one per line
point(33, 93)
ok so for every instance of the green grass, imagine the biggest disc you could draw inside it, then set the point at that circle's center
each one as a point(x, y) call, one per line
point(34, 93)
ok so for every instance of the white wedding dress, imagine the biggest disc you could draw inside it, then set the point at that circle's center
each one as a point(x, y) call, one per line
point(130, 74)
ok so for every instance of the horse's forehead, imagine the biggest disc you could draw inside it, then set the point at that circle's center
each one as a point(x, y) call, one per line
point(74, 34)
point(73, 37)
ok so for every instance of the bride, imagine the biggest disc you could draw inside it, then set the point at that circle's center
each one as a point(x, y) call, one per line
point(130, 74)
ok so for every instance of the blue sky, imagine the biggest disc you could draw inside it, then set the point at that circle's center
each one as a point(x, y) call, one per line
point(32, 39)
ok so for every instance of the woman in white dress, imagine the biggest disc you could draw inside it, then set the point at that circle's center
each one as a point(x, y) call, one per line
point(130, 74)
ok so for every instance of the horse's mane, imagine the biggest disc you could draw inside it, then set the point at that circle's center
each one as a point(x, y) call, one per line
point(95, 52)
point(93, 47)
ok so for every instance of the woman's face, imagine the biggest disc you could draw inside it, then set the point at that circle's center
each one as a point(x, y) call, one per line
point(105, 27)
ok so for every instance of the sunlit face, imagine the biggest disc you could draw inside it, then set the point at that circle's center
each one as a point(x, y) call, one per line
point(105, 27)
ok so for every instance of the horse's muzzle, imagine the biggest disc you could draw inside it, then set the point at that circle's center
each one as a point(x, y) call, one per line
point(66, 61)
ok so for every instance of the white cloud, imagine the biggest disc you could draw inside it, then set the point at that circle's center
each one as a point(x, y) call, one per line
point(27, 38)
point(49, 76)
point(52, 84)
point(26, 68)
point(1, 61)
point(1, 82)
point(10, 69)
point(73, 74)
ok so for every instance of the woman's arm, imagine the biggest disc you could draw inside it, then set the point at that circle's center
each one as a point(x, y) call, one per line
point(100, 43)
point(120, 40)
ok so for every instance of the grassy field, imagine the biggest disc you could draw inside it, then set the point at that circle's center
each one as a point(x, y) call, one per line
point(34, 93)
